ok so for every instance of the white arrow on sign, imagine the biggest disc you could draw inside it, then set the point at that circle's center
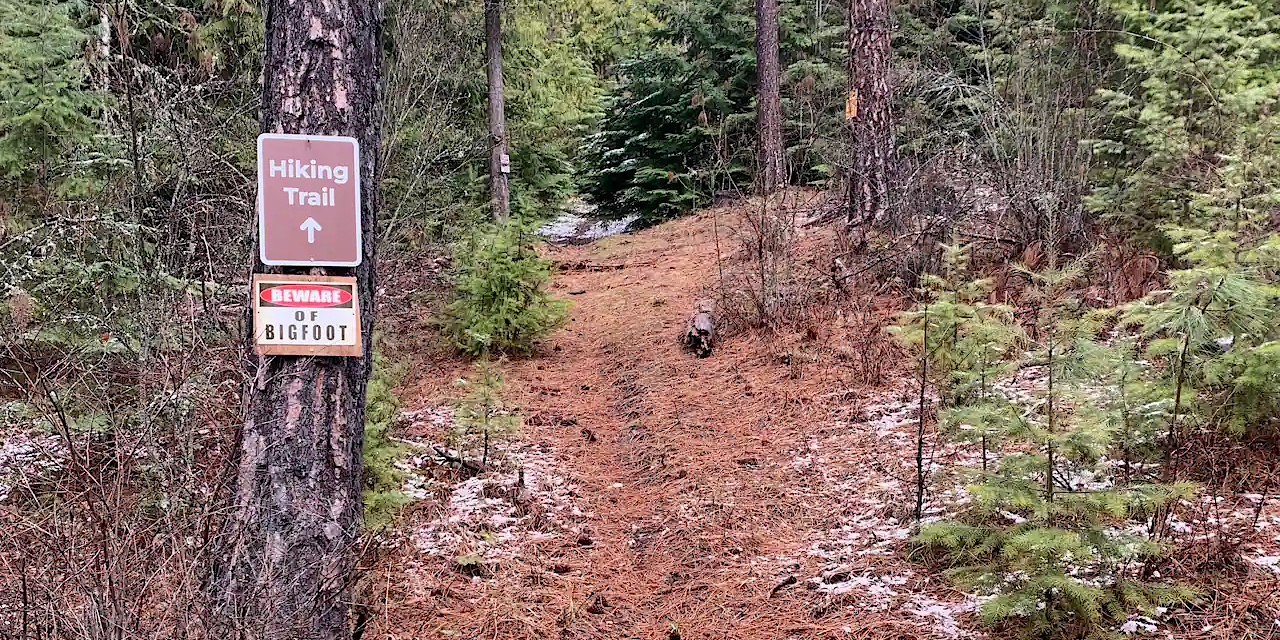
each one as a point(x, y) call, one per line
point(311, 227)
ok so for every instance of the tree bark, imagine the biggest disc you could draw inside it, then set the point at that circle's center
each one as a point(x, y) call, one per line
point(283, 560)
point(871, 117)
point(501, 198)
point(771, 171)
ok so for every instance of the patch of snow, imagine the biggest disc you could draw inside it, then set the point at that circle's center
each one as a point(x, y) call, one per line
point(1013, 517)
point(875, 592)
point(1270, 563)
point(493, 516)
point(25, 457)
point(1139, 624)
point(577, 224)
point(416, 485)
point(1025, 386)
point(438, 417)
point(941, 615)
point(859, 546)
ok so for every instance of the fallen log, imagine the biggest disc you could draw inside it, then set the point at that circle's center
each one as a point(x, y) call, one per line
point(700, 332)
point(583, 265)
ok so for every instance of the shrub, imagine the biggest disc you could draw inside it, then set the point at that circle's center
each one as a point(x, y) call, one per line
point(382, 480)
point(502, 304)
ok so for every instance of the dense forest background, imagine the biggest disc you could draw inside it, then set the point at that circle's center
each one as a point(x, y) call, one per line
point(1125, 154)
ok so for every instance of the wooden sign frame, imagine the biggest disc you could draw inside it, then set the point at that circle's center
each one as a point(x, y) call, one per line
point(339, 350)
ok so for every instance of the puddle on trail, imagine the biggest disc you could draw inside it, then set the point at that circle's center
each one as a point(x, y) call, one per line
point(577, 226)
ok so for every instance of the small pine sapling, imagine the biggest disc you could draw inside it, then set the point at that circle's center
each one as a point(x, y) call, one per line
point(1054, 548)
point(1213, 327)
point(480, 418)
point(502, 303)
point(1063, 331)
point(961, 341)
point(1212, 332)
point(1123, 397)
point(982, 347)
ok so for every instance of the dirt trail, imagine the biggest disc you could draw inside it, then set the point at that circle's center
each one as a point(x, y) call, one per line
point(714, 492)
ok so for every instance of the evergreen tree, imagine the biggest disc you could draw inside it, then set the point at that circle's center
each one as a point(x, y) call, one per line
point(1048, 537)
point(436, 174)
point(553, 100)
point(502, 304)
point(1194, 136)
point(962, 343)
point(771, 170)
point(1134, 410)
point(272, 574)
point(970, 336)
point(670, 121)
point(870, 111)
point(499, 160)
point(46, 107)
point(480, 418)
point(645, 159)
point(1214, 332)
point(680, 124)
point(383, 482)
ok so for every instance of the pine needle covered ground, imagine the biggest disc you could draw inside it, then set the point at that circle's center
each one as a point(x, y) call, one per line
point(763, 492)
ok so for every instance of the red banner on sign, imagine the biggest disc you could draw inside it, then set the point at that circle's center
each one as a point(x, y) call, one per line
point(303, 295)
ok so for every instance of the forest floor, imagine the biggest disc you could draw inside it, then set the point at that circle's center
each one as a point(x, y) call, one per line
point(762, 492)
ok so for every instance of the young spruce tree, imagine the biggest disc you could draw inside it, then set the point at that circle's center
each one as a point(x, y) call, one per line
point(502, 303)
point(1049, 538)
point(960, 342)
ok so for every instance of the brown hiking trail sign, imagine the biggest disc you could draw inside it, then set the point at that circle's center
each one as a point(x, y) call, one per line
point(306, 316)
point(309, 200)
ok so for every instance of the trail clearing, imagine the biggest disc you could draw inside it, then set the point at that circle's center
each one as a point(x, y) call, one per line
point(751, 494)
point(762, 492)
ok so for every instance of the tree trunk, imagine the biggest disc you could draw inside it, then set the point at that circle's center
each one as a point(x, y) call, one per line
point(924, 386)
point(869, 114)
point(771, 171)
point(499, 162)
point(283, 561)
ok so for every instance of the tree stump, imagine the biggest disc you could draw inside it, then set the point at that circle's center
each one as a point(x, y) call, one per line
point(700, 333)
